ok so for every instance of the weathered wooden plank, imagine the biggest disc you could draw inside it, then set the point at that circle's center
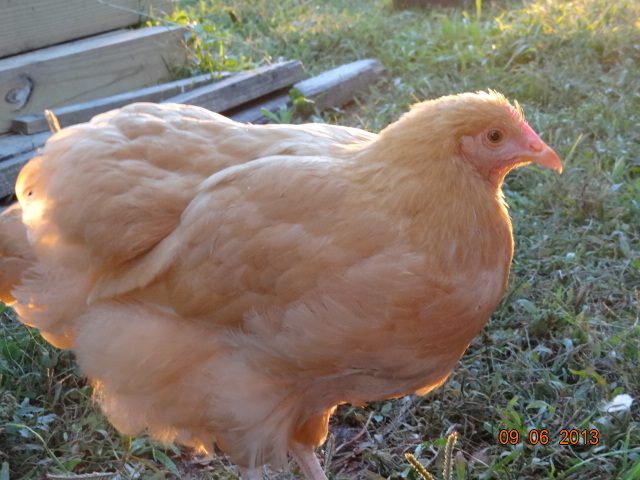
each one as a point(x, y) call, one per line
point(338, 86)
point(15, 151)
point(333, 88)
point(12, 145)
point(253, 112)
point(86, 69)
point(243, 87)
point(29, 24)
point(83, 112)
point(9, 171)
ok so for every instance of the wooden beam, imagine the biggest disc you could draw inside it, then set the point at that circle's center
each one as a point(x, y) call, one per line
point(253, 113)
point(29, 24)
point(243, 87)
point(338, 86)
point(333, 88)
point(9, 171)
point(12, 145)
point(86, 69)
point(15, 151)
point(218, 96)
point(83, 112)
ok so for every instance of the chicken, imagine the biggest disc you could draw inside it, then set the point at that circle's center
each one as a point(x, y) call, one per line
point(233, 283)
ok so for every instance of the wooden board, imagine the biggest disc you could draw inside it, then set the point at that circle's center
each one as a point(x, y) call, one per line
point(338, 86)
point(12, 145)
point(243, 87)
point(9, 171)
point(15, 151)
point(83, 112)
point(86, 69)
point(253, 113)
point(333, 88)
point(29, 24)
point(216, 95)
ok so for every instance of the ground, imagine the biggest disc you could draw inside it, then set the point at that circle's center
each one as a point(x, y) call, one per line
point(566, 338)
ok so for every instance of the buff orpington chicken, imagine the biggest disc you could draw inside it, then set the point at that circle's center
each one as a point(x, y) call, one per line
point(231, 283)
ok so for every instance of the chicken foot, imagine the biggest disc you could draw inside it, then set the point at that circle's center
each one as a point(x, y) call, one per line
point(306, 458)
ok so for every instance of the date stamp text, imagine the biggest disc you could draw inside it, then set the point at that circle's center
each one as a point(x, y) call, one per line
point(565, 437)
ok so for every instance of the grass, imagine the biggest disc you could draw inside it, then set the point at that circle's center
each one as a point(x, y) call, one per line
point(566, 338)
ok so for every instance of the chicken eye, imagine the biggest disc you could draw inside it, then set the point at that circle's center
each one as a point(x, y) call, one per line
point(495, 136)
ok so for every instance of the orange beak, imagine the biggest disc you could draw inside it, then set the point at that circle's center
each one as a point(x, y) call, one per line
point(539, 152)
point(547, 158)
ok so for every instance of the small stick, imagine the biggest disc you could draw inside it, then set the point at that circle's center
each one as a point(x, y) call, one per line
point(52, 121)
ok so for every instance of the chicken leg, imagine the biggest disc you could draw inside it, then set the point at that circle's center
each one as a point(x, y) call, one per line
point(306, 458)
